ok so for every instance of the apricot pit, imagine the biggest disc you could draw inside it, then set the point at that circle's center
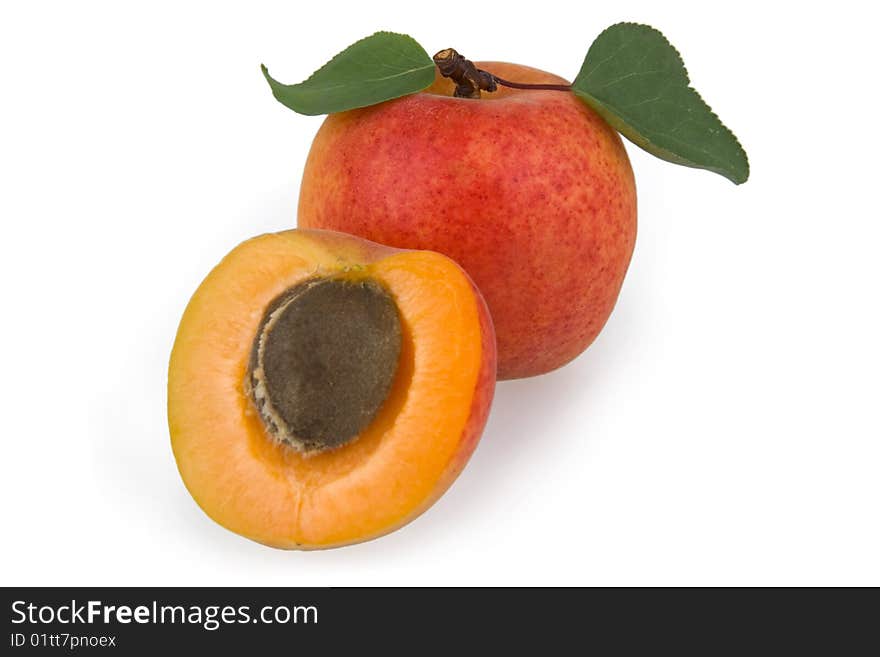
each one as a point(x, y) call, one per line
point(323, 361)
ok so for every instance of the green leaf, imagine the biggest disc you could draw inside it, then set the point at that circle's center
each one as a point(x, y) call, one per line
point(378, 68)
point(636, 80)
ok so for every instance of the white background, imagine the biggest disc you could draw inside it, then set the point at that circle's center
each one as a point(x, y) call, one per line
point(723, 429)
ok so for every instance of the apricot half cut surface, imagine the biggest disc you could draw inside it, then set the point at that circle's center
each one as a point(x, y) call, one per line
point(325, 390)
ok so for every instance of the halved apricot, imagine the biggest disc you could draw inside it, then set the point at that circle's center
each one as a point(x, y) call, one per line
point(325, 390)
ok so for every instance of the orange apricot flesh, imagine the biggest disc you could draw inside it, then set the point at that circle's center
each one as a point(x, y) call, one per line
point(420, 438)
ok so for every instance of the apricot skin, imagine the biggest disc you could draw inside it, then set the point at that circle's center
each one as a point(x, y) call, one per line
point(412, 452)
point(530, 191)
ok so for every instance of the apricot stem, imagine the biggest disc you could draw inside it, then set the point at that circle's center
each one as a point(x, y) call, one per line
point(526, 85)
point(470, 80)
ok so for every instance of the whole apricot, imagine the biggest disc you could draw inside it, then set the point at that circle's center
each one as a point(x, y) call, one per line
point(530, 191)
